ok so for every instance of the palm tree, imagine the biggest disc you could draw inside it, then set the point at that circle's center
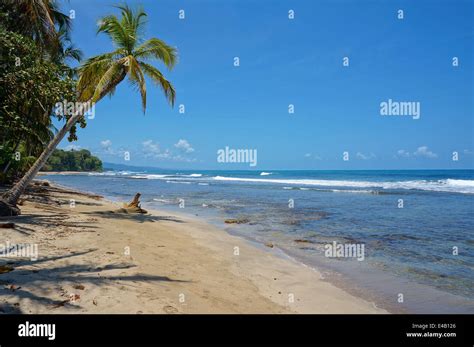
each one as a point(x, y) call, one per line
point(100, 75)
point(65, 52)
point(37, 19)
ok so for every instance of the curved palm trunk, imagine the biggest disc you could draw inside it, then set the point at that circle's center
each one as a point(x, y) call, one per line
point(11, 197)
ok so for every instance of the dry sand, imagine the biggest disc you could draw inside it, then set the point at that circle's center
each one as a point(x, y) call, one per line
point(92, 260)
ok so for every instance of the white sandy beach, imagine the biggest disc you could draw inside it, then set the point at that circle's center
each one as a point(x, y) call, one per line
point(92, 260)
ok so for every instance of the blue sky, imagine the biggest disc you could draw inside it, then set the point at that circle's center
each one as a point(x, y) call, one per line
point(293, 61)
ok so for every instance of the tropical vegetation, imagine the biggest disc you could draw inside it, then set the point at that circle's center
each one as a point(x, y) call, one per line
point(36, 72)
point(81, 160)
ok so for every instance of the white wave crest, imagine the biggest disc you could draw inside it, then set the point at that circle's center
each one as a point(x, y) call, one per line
point(446, 185)
point(149, 177)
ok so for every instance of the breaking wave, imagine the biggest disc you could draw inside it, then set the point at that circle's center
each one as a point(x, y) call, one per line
point(445, 185)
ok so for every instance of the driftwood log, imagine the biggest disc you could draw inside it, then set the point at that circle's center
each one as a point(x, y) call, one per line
point(133, 206)
point(8, 210)
point(7, 225)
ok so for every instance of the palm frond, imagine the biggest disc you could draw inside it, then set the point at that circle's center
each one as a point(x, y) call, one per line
point(133, 22)
point(156, 49)
point(92, 70)
point(158, 78)
point(111, 26)
point(137, 79)
point(100, 75)
point(63, 20)
point(106, 80)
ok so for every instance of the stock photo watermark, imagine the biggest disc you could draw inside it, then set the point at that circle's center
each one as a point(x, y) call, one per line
point(345, 250)
point(401, 108)
point(229, 155)
point(19, 250)
point(70, 108)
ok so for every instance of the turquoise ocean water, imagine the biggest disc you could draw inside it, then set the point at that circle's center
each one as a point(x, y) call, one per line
point(417, 227)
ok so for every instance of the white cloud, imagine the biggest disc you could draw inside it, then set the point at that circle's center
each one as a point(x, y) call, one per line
point(362, 156)
point(153, 150)
point(106, 144)
point(72, 147)
point(403, 153)
point(107, 149)
point(423, 151)
point(150, 146)
point(315, 156)
point(184, 146)
point(149, 149)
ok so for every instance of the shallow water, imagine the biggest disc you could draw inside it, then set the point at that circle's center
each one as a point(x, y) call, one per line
point(408, 249)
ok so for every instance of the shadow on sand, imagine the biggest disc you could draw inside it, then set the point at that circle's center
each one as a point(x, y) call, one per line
point(47, 280)
point(48, 221)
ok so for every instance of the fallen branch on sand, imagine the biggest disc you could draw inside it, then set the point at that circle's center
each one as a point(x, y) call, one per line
point(7, 225)
point(8, 210)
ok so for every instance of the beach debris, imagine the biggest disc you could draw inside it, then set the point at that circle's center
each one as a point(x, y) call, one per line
point(13, 287)
point(170, 309)
point(5, 269)
point(236, 221)
point(60, 303)
point(269, 244)
point(78, 286)
point(21, 201)
point(74, 297)
point(133, 206)
point(8, 210)
point(7, 225)
point(135, 202)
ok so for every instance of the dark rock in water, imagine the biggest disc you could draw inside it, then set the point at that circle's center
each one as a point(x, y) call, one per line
point(41, 183)
point(291, 222)
point(5, 269)
point(236, 221)
point(303, 241)
point(307, 248)
point(8, 210)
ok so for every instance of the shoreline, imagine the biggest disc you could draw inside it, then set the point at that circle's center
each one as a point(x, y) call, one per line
point(175, 264)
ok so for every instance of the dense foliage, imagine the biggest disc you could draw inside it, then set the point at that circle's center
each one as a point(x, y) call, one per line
point(32, 81)
point(81, 160)
point(35, 77)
